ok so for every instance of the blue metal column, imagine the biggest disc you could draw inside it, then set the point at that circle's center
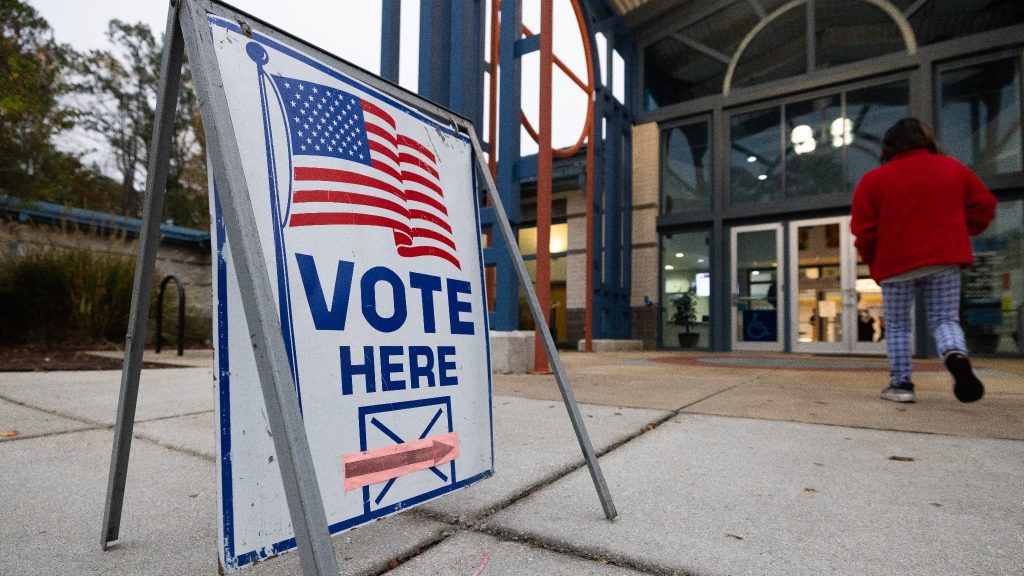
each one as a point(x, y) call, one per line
point(390, 36)
point(435, 50)
point(613, 201)
point(465, 60)
point(506, 313)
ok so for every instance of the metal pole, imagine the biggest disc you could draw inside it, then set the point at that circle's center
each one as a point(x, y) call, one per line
point(540, 361)
point(135, 339)
point(298, 476)
point(549, 344)
point(588, 328)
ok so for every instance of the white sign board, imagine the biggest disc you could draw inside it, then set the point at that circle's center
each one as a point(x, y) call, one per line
point(368, 220)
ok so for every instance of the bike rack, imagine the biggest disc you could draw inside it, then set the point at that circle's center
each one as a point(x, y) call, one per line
point(181, 314)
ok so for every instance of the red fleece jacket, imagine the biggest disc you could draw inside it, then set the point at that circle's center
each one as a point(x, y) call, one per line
point(919, 209)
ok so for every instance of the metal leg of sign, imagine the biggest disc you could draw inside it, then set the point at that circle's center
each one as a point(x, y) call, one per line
point(167, 97)
point(540, 320)
point(302, 492)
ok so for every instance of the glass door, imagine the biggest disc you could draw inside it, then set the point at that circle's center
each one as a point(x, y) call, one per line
point(757, 310)
point(837, 306)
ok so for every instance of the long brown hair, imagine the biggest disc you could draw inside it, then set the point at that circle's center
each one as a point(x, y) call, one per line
point(908, 134)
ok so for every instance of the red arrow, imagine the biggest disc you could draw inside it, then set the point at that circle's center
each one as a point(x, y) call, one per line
point(382, 464)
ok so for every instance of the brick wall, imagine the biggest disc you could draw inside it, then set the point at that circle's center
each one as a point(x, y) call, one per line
point(644, 281)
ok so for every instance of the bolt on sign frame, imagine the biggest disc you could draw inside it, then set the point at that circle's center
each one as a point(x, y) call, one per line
point(188, 31)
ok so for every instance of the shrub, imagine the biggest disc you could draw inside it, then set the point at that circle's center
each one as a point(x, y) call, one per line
point(56, 295)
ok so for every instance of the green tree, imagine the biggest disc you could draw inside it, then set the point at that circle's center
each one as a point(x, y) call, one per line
point(122, 88)
point(32, 83)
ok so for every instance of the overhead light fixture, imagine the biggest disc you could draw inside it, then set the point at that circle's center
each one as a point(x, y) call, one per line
point(751, 158)
point(680, 254)
point(842, 132)
point(762, 177)
point(669, 267)
point(802, 138)
point(700, 261)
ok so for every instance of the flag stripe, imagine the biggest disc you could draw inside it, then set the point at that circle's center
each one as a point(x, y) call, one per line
point(406, 141)
point(416, 178)
point(385, 168)
point(424, 199)
point(427, 233)
point(303, 173)
point(421, 215)
point(351, 218)
point(371, 108)
point(382, 132)
point(378, 148)
point(412, 251)
point(407, 158)
point(339, 197)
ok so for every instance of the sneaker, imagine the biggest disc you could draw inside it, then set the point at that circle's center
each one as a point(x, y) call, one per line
point(902, 393)
point(966, 386)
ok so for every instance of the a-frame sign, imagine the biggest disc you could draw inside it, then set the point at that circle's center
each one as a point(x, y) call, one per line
point(352, 356)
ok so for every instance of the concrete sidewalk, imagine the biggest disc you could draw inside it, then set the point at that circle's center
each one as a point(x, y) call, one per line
point(719, 464)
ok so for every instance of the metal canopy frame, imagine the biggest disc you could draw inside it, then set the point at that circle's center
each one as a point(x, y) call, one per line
point(187, 31)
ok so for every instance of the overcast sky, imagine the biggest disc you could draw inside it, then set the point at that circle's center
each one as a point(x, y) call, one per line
point(350, 29)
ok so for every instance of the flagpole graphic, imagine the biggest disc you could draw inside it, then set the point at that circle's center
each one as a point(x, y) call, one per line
point(259, 55)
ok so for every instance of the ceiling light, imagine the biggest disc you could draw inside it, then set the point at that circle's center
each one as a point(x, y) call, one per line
point(669, 267)
point(842, 132)
point(751, 158)
point(680, 254)
point(762, 177)
point(802, 138)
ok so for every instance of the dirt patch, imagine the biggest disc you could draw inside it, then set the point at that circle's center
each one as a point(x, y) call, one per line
point(46, 358)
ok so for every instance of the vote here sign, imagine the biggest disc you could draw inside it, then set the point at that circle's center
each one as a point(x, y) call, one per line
point(368, 221)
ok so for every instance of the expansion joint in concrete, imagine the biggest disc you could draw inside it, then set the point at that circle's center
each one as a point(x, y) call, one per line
point(597, 556)
point(418, 550)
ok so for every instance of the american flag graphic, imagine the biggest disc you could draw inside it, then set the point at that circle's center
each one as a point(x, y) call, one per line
point(351, 167)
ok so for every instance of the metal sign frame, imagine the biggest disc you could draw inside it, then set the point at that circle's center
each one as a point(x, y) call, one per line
point(187, 32)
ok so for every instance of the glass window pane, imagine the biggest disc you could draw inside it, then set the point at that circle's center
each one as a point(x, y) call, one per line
point(559, 242)
point(815, 136)
point(993, 288)
point(686, 172)
point(850, 31)
point(779, 51)
point(756, 289)
point(871, 111)
point(528, 241)
point(755, 173)
point(819, 283)
point(979, 115)
point(618, 76)
point(941, 20)
point(674, 72)
point(686, 290)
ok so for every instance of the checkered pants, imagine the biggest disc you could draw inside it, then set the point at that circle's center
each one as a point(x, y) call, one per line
point(942, 304)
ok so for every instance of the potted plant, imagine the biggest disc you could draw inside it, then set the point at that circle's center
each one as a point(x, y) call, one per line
point(685, 315)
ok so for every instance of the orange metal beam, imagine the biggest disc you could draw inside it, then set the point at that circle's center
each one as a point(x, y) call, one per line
point(490, 274)
point(544, 160)
point(587, 134)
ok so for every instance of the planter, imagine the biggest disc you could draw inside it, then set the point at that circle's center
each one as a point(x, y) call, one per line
point(688, 339)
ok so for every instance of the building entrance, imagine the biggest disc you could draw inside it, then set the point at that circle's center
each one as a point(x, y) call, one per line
point(809, 293)
point(757, 310)
point(837, 307)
